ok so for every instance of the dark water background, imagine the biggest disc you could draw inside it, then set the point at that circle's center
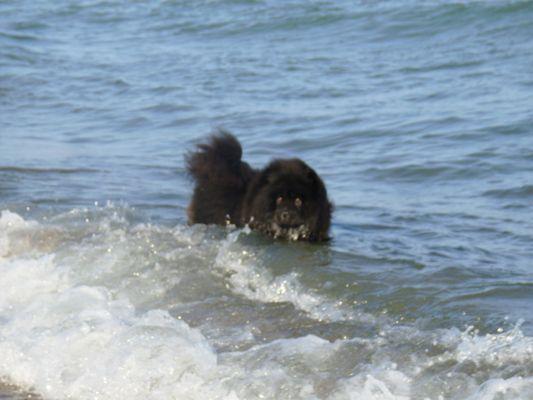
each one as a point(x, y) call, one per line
point(417, 114)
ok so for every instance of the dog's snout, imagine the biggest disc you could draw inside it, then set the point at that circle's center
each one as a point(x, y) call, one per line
point(285, 216)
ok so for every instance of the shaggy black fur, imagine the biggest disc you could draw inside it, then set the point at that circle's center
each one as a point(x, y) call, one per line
point(287, 199)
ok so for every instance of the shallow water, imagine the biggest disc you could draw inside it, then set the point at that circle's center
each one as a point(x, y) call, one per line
point(416, 114)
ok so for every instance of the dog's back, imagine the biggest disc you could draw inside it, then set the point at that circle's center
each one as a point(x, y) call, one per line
point(221, 181)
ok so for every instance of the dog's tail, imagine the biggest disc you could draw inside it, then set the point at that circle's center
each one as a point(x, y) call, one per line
point(221, 180)
point(218, 162)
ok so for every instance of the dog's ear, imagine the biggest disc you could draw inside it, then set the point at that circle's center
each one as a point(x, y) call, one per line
point(322, 220)
point(313, 178)
point(316, 184)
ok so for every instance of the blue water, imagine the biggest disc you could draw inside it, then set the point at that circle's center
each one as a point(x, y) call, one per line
point(418, 116)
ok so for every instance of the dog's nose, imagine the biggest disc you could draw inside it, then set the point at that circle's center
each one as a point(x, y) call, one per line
point(285, 216)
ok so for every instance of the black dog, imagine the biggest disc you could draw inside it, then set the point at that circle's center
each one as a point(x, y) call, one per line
point(285, 200)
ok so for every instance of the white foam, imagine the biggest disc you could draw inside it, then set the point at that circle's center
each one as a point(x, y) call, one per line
point(516, 388)
point(510, 347)
point(12, 221)
point(9, 223)
point(67, 340)
point(380, 385)
point(25, 281)
point(83, 316)
point(79, 342)
point(248, 278)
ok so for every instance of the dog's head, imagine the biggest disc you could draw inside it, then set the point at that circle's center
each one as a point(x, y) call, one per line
point(289, 200)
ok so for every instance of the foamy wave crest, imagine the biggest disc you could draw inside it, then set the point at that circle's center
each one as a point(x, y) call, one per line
point(66, 340)
point(248, 278)
point(381, 385)
point(94, 306)
point(495, 349)
point(9, 223)
point(516, 388)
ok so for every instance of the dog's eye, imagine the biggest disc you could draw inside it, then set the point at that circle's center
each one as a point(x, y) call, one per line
point(279, 200)
point(298, 202)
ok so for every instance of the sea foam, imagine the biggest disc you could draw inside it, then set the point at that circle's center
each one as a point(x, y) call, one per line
point(91, 306)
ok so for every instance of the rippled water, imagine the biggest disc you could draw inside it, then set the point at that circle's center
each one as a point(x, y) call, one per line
point(417, 115)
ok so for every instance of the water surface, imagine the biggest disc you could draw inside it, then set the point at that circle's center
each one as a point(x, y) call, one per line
point(417, 115)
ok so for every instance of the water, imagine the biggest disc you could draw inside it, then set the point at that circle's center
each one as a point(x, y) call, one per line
point(417, 115)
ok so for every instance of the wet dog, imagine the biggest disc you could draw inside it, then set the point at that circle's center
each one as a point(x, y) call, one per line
point(285, 200)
